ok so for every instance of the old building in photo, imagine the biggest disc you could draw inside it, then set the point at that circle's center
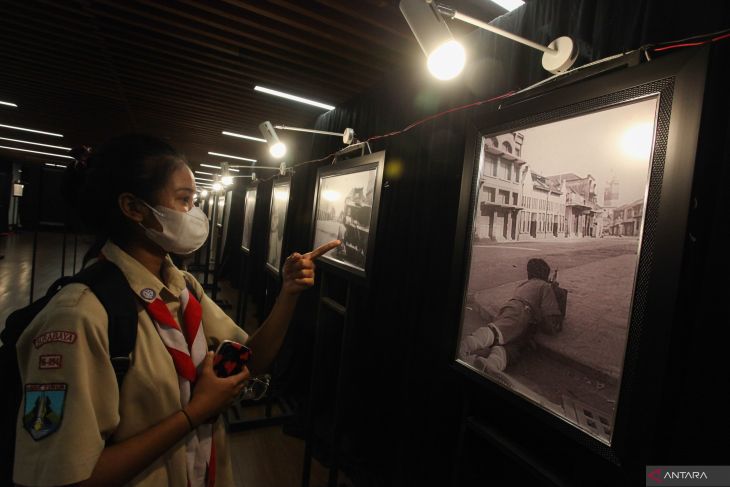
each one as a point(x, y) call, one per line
point(582, 212)
point(625, 220)
point(500, 188)
point(543, 215)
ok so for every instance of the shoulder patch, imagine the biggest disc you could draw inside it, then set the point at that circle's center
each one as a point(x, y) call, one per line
point(60, 336)
point(43, 409)
point(54, 361)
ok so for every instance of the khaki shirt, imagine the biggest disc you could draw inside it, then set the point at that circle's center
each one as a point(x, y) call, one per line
point(72, 404)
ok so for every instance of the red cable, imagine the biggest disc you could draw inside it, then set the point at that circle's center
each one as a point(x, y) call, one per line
point(692, 44)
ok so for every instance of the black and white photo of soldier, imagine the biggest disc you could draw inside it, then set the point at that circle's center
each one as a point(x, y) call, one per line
point(565, 196)
point(344, 211)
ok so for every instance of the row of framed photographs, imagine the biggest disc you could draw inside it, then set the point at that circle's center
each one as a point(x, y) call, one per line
point(345, 208)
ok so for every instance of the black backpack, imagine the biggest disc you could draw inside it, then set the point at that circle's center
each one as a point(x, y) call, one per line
point(110, 286)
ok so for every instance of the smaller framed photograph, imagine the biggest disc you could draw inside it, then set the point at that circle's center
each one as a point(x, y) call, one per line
point(277, 223)
point(18, 189)
point(248, 213)
point(346, 209)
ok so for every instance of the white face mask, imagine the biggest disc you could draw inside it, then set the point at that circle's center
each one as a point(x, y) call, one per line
point(183, 232)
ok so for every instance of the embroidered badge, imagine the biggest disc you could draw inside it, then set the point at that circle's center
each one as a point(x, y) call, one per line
point(50, 361)
point(148, 294)
point(54, 336)
point(43, 409)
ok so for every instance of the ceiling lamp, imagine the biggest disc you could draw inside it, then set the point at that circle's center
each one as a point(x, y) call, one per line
point(446, 57)
point(288, 96)
point(276, 147)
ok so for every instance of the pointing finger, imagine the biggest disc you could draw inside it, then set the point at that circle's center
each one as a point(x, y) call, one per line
point(320, 251)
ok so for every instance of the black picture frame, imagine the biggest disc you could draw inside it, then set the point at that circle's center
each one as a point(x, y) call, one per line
point(249, 208)
point(278, 183)
point(370, 162)
point(679, 79)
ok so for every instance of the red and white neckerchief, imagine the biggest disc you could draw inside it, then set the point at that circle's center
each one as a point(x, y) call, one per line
point(187, 348)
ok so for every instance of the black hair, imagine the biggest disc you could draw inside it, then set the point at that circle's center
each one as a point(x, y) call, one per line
point(134, 163)
point(538, 268)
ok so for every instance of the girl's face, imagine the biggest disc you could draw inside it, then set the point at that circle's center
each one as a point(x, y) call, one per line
point(179, 192)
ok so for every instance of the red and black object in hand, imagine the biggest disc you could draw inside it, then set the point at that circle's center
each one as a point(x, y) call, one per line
point(230, 358)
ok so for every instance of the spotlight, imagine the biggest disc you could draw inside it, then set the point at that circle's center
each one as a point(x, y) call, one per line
point(227, 180)
point(276, 147)
point(446, 58)
point(216, 187)
point(204, 193)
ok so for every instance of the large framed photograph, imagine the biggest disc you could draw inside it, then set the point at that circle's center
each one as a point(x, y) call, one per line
point(248, 215)
point(564, 200)
point(346, 208)
point(277, 223)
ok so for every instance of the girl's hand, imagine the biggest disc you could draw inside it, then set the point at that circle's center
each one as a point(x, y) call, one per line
point(299, 269)
point(212, 394)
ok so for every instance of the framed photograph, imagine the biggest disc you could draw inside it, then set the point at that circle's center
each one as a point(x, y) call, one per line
point(248, 213)
point(558, 273)
point(346, 208)
point(277, 223)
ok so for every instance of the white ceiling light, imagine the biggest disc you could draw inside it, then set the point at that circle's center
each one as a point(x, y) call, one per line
point(216, 187)
point(230, 156)
point(218, 167)
point(294, 97)
point(203, 172)
point(30, 130)
point(35, 152)
point(509, 5)
point(7, 103)
point(276, 147)
point(50, 164)
point(227, 180)
point(241, 136)
point(35, 143)
point(204, 193)
point(204, 179)
point(446, 58)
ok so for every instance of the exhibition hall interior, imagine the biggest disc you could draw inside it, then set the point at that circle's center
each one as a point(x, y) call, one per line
point(364, 243)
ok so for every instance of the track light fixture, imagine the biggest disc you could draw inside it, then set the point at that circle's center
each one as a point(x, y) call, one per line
point(276, 147)
point(446, 57)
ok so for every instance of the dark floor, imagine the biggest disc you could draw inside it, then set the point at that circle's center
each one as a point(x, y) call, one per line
point(263, 457)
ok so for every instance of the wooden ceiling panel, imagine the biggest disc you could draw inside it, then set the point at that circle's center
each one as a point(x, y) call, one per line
point(185, 69)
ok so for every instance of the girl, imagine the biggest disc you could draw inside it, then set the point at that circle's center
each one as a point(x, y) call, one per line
point(75, 426)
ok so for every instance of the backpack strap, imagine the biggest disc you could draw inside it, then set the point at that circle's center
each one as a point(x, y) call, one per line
point(111, 288)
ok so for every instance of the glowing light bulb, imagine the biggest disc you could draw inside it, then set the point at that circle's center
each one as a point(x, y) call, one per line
point(204, 193)
point(637, 140)
point(217, 187)
point(227, 180)
point(447, 61)
point(278, 150)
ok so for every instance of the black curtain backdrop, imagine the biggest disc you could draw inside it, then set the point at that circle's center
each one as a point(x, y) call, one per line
point(403, 404)
point(407, 420)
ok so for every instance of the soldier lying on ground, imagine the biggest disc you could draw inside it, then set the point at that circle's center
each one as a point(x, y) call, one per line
point(532, 307)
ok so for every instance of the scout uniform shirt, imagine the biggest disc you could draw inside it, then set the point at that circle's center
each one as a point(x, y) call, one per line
point(72, 405)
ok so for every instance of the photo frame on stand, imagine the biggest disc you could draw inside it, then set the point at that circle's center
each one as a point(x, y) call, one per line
point(347, 199)
point(558, 275)
point(277, 223)
point(248, 216)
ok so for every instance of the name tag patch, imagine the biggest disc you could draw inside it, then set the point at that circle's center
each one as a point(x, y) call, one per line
point(54, 336)
point(43, 409)
point(50, 361)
